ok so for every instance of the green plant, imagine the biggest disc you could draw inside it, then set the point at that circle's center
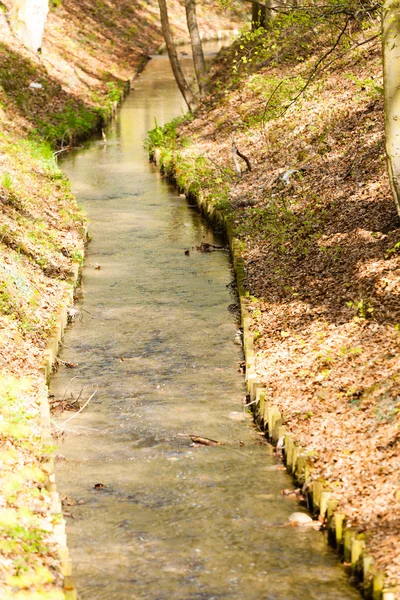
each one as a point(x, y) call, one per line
point(393, 250)
point(72, 123)
point(77, 256)
point(6, 181)
point(350, 351)
point(362, 307)
point(167, 135)
point(113, 92)
point(367, 85)
point(6, 303)
point(289, 231)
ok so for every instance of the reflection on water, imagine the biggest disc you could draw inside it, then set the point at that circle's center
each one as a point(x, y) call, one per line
point(156, 518)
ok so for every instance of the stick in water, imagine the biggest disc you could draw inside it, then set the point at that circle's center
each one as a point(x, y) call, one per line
point(77, 413)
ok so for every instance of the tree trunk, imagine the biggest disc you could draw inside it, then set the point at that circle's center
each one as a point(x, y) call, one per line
point(173, 57)
point(197, 48)
point(258, 16)
point(270, 13)
point(28, 20)
point(262, 14)
point(391, 84)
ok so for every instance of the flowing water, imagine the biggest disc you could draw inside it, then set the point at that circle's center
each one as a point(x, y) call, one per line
point(153, 517)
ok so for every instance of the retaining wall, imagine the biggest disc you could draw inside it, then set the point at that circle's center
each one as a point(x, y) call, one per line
point(48, 362)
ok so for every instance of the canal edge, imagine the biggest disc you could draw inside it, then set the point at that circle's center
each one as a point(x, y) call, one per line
point(320, 499)
point(49, 359)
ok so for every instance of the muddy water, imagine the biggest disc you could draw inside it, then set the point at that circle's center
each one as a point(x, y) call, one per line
point(157, 518)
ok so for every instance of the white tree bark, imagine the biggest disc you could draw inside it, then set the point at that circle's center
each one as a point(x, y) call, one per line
point(391, 83)
point(28, 20)
point(173, 58)
point(197, 48)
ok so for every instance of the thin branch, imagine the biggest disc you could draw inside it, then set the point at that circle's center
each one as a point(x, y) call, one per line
point(66, 149)
point(315, 69)
point(235, 153)
point(235, 156)
point(229, 178)
point(243, 157)
point(271, 96)
point(62, 428)
point(251, 403)
point(70, 381)
point(367, 41)
point(338, 9)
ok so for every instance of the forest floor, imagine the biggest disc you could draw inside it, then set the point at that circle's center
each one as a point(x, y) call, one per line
point(90, 51)
point(321, 243)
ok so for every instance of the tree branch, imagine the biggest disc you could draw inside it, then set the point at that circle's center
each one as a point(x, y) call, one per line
point(235, 153)
point(315, 69)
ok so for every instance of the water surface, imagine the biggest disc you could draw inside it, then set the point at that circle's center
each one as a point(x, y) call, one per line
point(155, 518)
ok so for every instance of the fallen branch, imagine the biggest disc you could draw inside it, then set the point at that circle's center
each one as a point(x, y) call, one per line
point(70, 365)
point(66, 149)
point(205, 247)
point(243, 157)
point(62, 428)
point(204, 441)
point(235, 153)
point(70, 381)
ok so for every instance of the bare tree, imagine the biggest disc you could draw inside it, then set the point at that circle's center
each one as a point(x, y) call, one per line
point(187, 93)
point(391, 84)
point(197, 48)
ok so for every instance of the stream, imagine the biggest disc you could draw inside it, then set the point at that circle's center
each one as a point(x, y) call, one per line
point(149, 515)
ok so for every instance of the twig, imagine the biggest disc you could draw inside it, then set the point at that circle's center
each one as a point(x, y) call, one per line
point(315, 69)
point(62, 428)
point(283, 8)
point(270, 98)
point(235, 153)
point(205, 441)
point(367, 41)
point(220, 168)
point(66, 149)
point(66, 389)
point(250, 403)
point(79, 395)
point(246, 160)
point(235, 156)
point(55, 154)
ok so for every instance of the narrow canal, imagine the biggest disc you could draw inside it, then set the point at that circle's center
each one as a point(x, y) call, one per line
point(150, 516)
